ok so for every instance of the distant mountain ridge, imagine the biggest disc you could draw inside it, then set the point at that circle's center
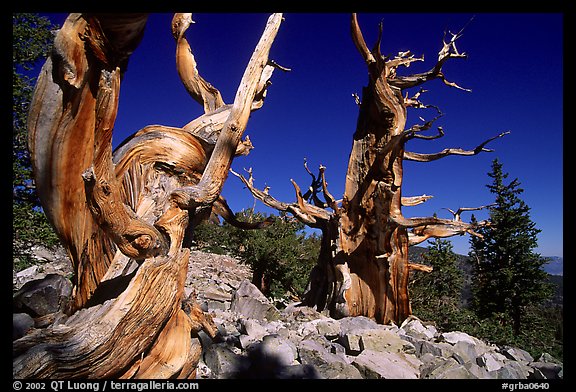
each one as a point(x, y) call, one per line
point(554, 268)
point(555, 265)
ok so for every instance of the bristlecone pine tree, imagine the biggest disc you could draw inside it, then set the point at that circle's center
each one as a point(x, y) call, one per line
point(122, 215)
point(363, 266)
point(508, 274)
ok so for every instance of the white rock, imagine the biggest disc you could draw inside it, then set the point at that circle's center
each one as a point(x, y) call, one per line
point(456, 336)
point(373, 364)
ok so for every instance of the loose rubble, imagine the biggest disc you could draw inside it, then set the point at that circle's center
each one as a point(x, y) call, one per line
point(257, 340)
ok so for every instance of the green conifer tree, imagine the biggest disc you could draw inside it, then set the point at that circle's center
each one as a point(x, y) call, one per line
point(508, 273)
point(31, 43)
point(436, 295)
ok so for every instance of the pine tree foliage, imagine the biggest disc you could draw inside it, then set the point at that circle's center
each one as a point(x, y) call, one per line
point(436, 295)
point(280, 255)
point(508, 272)
point(31, 42)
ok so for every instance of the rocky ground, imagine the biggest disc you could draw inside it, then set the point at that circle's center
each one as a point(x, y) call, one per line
point(259, 340)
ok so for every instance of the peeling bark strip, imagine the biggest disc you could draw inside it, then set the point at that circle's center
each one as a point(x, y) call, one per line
point(61, 125)
point(363, 267)
point(135, 238)
point(216, 171)
point(115, 212)
point(202, 91)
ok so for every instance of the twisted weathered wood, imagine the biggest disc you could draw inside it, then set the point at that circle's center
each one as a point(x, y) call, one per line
point(363, 267)
point(116, 212)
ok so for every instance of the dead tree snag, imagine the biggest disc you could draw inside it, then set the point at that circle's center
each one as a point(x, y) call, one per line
point(363, 267)
point(122, 215)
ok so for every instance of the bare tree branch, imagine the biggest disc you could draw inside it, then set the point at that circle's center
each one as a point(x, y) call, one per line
point(202, 91)
point(303, 211)
point(216, 172)
point(222, 208)
point(418, 157)
point(359, 41)
point(425, 228)
point(415, 200)
point(420, 267)
point(448, 51)
point(332, 203)
point(312, 192)
point(134, 237)
point(413, 131)
point(462, 209)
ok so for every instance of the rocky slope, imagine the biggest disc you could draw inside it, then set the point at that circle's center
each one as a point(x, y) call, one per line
point(258, 340)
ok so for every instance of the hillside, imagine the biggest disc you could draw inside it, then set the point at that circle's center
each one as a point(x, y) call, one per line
point(258, 339)
point(554, 269)
point(555, 265)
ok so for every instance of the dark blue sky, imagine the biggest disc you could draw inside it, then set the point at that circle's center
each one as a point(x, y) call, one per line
point(514, 70)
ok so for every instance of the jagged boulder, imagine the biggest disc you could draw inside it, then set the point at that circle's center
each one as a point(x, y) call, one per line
point(22, 323)
point(257, 340)
point(386, 364)
point(251, 303)
point(41, 297)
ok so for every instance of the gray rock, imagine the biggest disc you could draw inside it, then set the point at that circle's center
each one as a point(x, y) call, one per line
point(511, 370)
point(223, 362)
point(414, 327)
point(252, 328)
point(456, 373)
point(298, 372)
point(54, 261)
point(464, 351)
point(26, 275)
point(457, 336)
point(351, 343)
point(276, 327)
point(338, 370)
point(477, 371)
point(330, 328)
point(373, 364)
point(445, 368)
point(536, 374)
point(378, 339)
point(43, 296)
point(549, 366)
point(350, 332)
point(549, 370)
point(312, 352)
point(516, 354)
point(415, 342)
point(328, 365)
point(251, 303)
point(440, 349)
point(491, 361)
point(273, 349)
point(21, 324)
point(298, 313)
point(355, 324)
point(545, 357)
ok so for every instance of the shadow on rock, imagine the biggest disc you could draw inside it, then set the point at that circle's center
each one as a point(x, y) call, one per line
point(272, 358)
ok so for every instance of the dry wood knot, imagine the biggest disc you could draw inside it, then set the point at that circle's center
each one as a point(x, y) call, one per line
point(143, 242)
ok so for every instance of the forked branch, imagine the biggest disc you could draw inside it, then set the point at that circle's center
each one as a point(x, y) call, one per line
point(432, 227)
point(216, 172)
point(418, 157)
point(306, 213)
point(448, 51)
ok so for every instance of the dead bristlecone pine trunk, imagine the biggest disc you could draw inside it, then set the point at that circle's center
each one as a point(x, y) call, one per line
point(363, 267)
point(122, 215)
